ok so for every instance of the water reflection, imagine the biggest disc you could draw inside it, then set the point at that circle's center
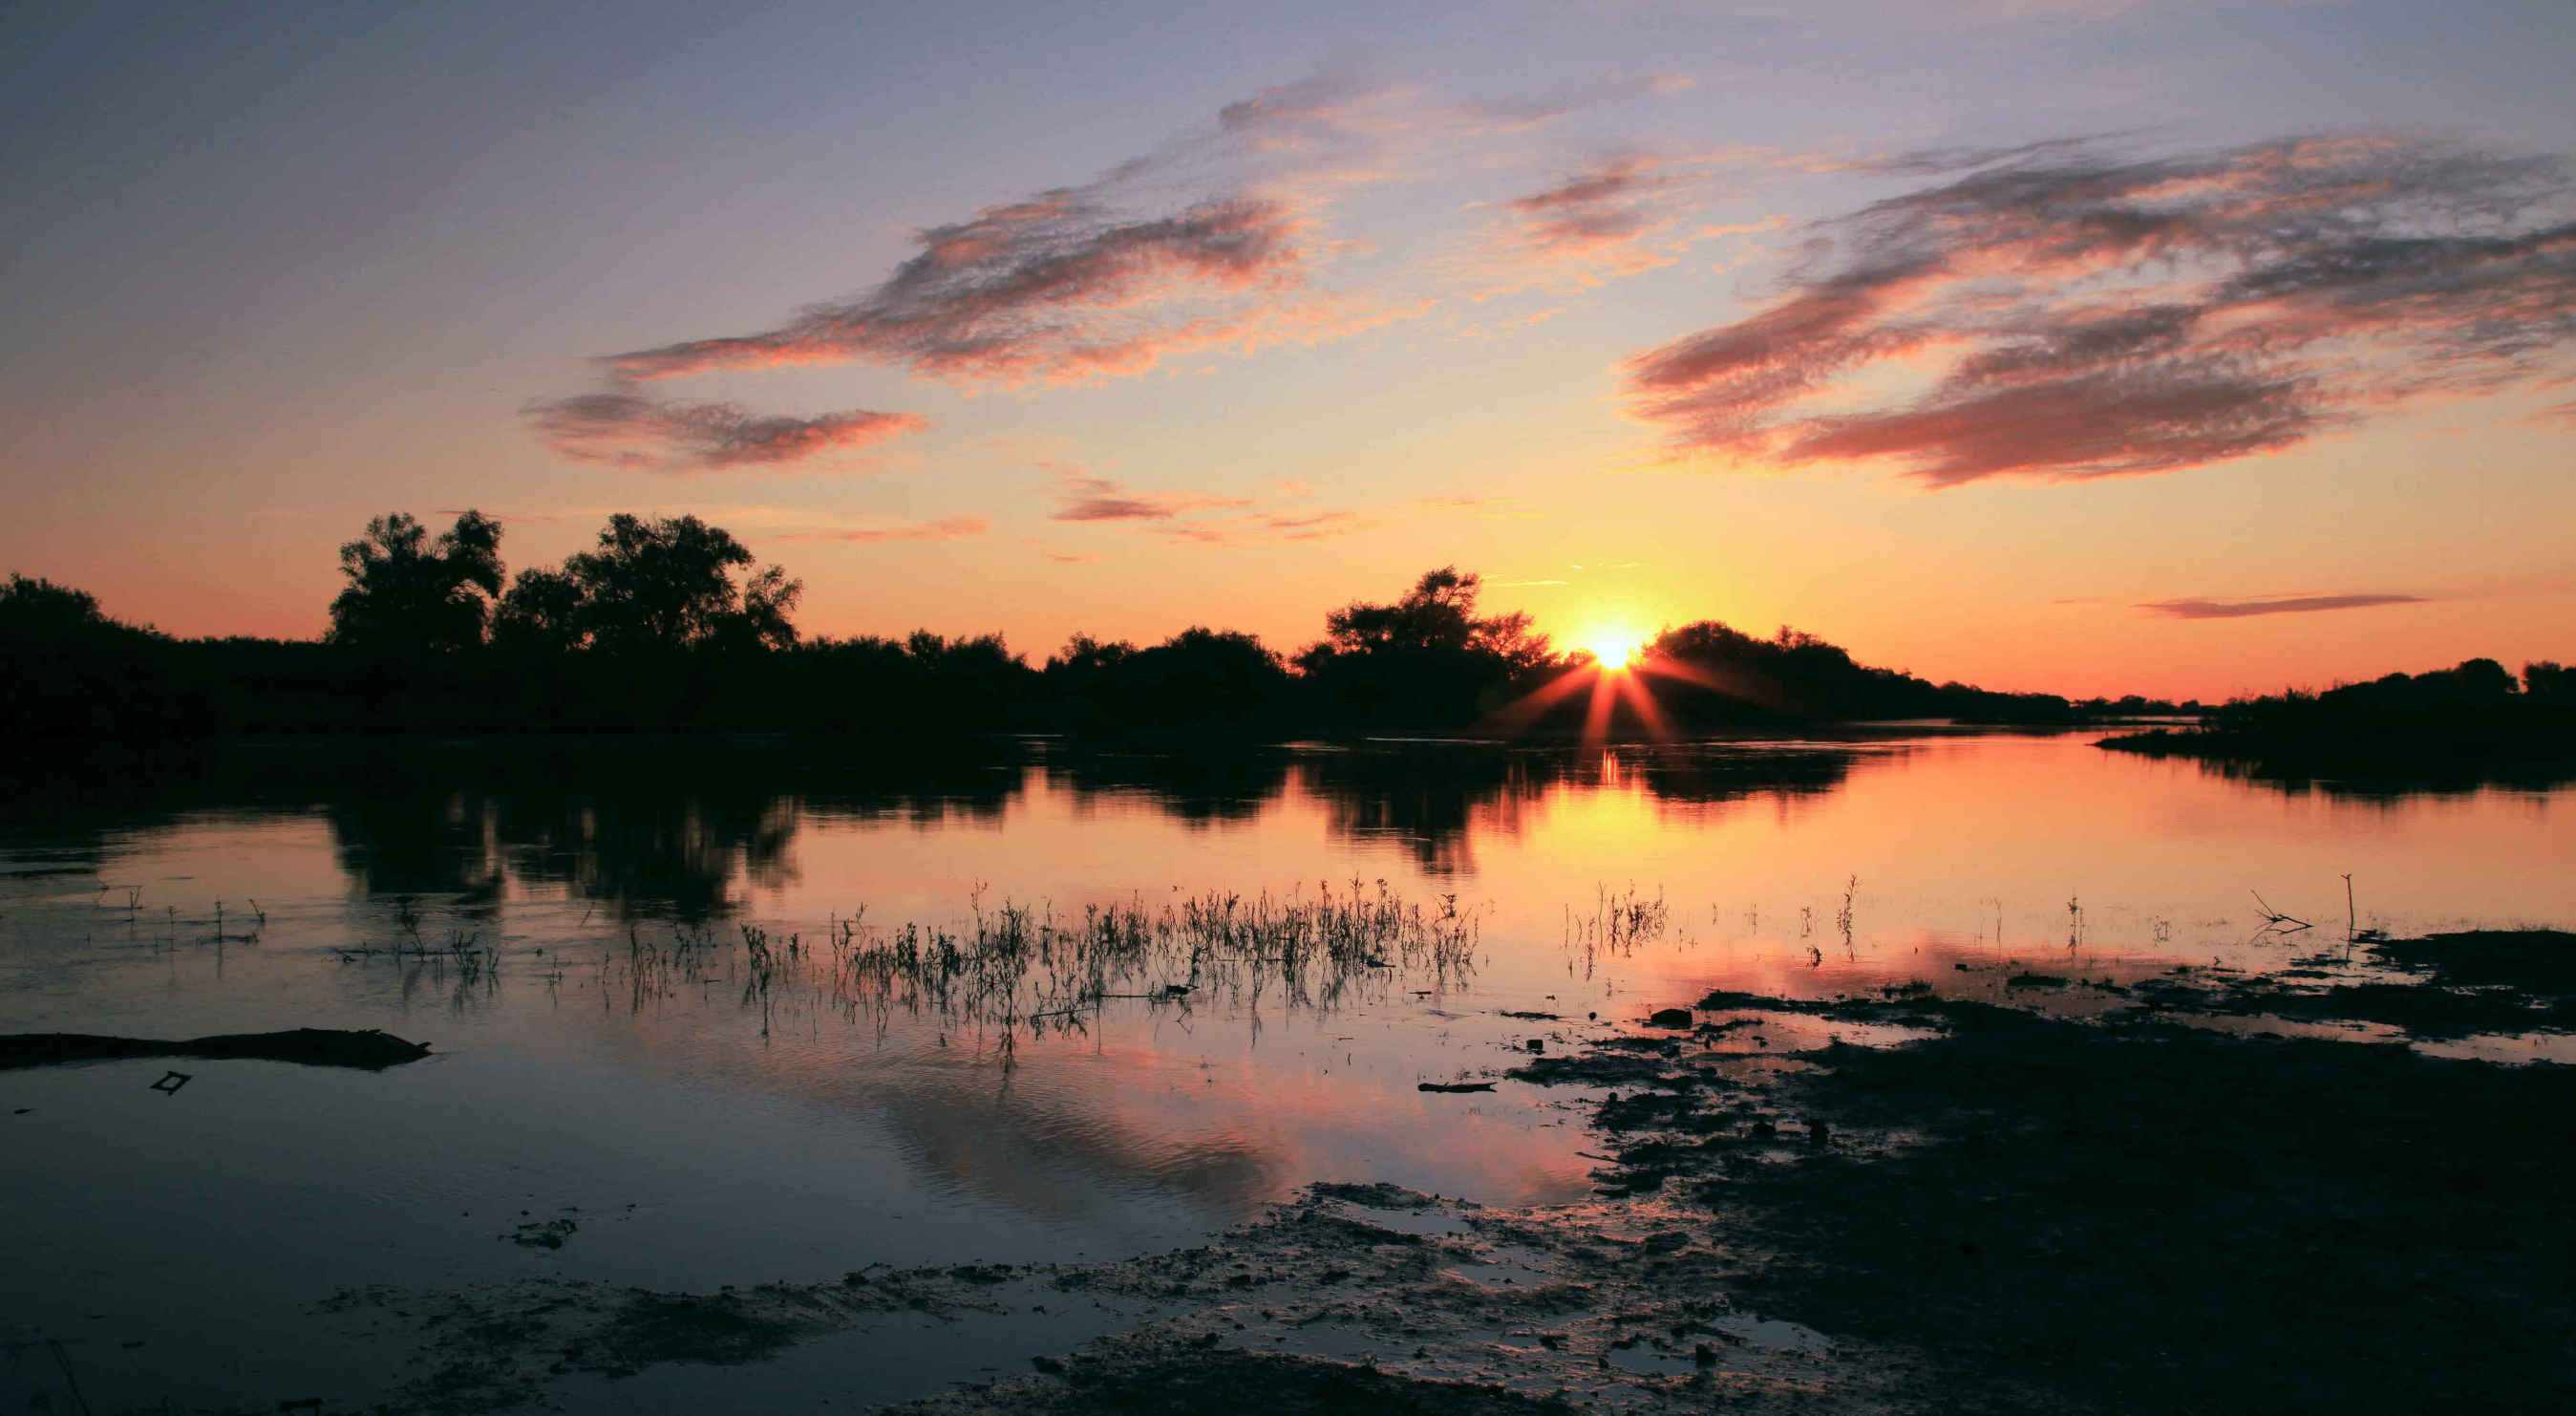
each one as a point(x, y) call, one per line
point(681, 830)
point(572, 926)
point(2456, 779)
point(674, 833)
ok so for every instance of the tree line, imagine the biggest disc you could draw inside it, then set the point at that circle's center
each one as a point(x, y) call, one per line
point(2472, 723)
point(671, 624)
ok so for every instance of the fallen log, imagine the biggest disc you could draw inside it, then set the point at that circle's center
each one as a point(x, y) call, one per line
point(314, 1047)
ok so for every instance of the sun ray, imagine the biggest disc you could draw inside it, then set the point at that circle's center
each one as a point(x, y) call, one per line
point(1751, 690)
point(1650, 714)
point(1521, 714)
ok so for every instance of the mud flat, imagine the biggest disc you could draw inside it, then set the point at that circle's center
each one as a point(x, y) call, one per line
point(1927, 1202)
point(367, 1050)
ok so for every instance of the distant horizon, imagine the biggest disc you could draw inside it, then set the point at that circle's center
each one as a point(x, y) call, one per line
point(1608, 643)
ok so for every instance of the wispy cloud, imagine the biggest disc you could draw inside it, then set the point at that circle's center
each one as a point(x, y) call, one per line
point(1059, 287)
point(2072, 314)
point(1516, 116)
point(952, 528)
point(1082, 496)
point(1602, 220)
point(1613, 217)
point(2291, 605)
point(1270, 526)
point(1212, 240)
point(1219, 239)
point(633, 430)
point(767, 521)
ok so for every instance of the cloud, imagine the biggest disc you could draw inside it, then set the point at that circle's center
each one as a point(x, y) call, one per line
point(766, 521)
point(1614, 217)
point(1514, 117)
point(2069, 314)
point(1083, 497)
point(1941, 162)
point(1211, 241)
point(952, 528)
point(633, 430)
point(2300, 604)
point(1056, 288)
point(1604, 217)
point(1218, 239)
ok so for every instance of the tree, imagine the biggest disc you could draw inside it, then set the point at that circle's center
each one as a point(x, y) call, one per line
point(1198, 678)
point(407, 592)
point(541, 614)
point(658, 585)
point(1426, 660)
point(1203, 676)
point(35, 610)
point(75, 672)
point(1437, 617)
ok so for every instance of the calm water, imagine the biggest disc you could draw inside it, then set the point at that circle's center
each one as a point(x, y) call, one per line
point(617, 1063)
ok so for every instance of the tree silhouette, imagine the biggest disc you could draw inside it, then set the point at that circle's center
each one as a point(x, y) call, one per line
point(1200, 678)
point(1437, 617)
point(1426, 660)
point(72, 671)
point(34, 610)
point(657, 585)
point(407, 592)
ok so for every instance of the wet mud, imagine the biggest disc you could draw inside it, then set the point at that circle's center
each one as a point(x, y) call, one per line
point(2006, 1202)
point(366, 1049)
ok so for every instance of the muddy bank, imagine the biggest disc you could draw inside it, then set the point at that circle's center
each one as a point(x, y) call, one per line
point(2130, 1212)
point(313, 1047)
point(2437, 986)
point(1350, 1298)
point(1895, 1202)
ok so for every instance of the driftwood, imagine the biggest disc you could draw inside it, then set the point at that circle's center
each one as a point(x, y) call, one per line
point(314, 1047)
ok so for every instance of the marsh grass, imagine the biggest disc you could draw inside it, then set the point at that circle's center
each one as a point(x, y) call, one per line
point(1616, 925)
point(1016, 968)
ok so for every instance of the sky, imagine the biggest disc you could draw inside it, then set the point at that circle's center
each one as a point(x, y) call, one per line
point(2190, 349)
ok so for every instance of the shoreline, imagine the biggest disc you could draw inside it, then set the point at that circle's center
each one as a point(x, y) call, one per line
point(1949, 1201)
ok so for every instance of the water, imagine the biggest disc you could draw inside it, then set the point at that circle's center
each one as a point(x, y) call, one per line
point(618, 1065)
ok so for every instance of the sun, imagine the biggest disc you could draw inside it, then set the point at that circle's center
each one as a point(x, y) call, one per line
point(1614, 646)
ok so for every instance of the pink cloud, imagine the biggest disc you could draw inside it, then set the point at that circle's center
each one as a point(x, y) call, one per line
point(1084, 498)
point(953, 528)
point(633, 430)
point(1055, 288)
point(2065, 314)
point(2286, 605)
point(1081, 496)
